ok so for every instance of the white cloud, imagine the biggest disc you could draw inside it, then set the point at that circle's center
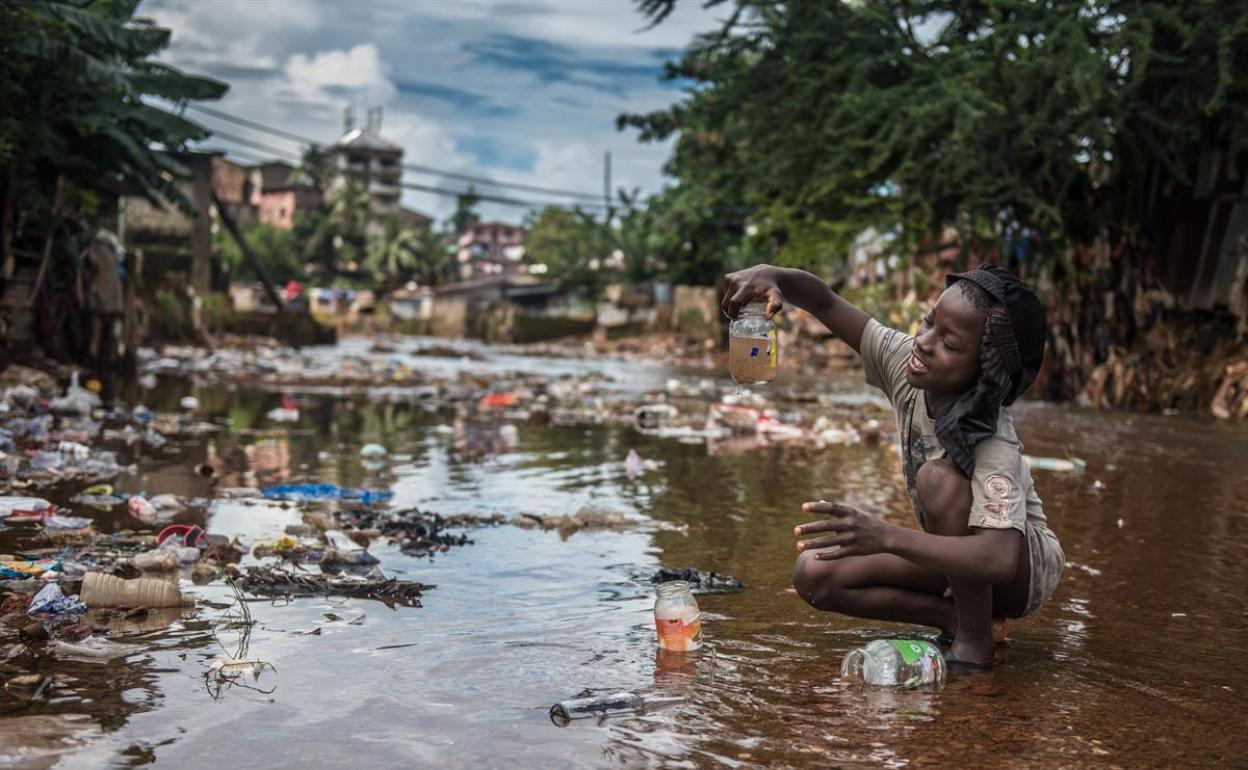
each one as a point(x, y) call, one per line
point(323, 77)
point(296, 64)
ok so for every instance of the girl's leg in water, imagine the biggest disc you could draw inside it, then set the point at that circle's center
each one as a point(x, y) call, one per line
point(889, 587)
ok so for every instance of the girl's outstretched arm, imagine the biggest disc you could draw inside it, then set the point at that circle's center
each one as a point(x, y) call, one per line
point(777, 285)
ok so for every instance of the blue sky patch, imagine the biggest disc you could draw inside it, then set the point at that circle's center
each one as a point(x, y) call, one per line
point(466, 102)
point(496, 152)
point(556, 63)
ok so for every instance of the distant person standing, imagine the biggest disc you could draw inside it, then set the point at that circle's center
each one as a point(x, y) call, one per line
point(293, 293)
point(105, 265)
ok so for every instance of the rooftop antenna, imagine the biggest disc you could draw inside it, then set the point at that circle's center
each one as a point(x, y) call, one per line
point(348, 119)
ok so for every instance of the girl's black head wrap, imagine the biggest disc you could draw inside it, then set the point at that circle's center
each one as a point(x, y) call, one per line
point(1011, 353)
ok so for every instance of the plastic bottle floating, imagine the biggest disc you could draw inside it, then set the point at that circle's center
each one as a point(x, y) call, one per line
point(904, 663)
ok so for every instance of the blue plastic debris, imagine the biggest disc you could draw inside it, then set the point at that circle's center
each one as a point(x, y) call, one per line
point(310, 492)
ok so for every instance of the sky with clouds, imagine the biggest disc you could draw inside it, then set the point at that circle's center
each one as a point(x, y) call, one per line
point(523, 91)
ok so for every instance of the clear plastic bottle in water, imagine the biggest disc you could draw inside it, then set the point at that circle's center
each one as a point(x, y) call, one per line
point(895, 663)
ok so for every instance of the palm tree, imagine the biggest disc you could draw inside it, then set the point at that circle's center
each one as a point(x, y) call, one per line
point(401, 254)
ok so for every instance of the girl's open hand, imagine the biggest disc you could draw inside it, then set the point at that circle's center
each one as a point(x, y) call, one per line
point(754, 284)
point(854, 533)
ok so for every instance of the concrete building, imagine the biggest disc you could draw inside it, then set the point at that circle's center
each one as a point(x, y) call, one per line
point(470, 308)
point(278, 195)
point(490, 248)
point(362, 156)
point(168, 235)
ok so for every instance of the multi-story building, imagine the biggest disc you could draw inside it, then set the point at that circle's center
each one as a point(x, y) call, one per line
point(278, 195)
point(490, 248)
point(363, 157)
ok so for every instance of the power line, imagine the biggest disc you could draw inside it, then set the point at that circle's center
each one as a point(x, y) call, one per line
point(491, 198)
point(406, 185)
point(508, 185)
point(252, 124)
point(254, 144)
point(420, 169)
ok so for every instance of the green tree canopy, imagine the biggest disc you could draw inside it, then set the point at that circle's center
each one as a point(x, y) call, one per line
point(273, 247)
point(465, 211)
point(82, 101)
point(400, 254)
point(572, 245)
point(1024, 125)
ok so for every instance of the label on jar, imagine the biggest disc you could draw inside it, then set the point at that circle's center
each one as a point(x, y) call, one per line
point(772, 347)
point(680, 634)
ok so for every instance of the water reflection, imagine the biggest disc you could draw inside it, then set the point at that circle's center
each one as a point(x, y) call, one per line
point(523, 618)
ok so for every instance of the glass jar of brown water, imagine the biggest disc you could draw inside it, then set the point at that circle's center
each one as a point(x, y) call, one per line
point(753, 352)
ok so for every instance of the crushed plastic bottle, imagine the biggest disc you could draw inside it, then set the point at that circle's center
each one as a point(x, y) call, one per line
point(344, 550)
point(156, 560)
point(100, 590)
point(63, 524)
point(602, 706)
point(905, 663)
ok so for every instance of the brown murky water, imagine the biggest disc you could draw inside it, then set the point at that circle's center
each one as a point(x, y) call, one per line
point(1134, 663)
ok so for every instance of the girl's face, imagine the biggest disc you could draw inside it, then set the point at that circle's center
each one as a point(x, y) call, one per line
point(945, 361)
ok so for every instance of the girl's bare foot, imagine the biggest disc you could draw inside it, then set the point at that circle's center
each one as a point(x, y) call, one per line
point(978, 652)
point(1000, 629)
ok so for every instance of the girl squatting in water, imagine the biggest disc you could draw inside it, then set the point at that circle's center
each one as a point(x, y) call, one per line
point(985, 550)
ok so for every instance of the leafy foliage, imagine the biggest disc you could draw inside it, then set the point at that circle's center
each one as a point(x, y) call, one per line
point(272, 246)
point(79, 90)
point(465, 211)
point(584, 253)
point(399, 254)
point(1025, 126)
point(572, 246)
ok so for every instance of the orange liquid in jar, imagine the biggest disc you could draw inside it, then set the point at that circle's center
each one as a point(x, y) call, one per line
point(679, 628)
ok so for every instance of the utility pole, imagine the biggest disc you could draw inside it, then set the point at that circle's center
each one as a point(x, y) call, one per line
point(606, 178)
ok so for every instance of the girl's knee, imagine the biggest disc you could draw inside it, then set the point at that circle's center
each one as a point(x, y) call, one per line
point(944, 493)
point(817, 582)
